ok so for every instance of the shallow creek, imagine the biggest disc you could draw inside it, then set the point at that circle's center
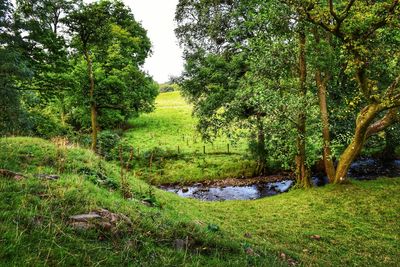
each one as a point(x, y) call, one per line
point(236, 192)
point(249, 189)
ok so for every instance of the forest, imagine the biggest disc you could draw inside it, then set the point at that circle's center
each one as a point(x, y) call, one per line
point(278, 145)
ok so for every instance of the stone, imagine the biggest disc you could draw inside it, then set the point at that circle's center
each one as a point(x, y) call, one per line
point(250, 251)
point(82, 225)
point(180, 244)
point(85, 217)
point(126, 219)
point(106, 226)
point(315, 237)
point(289, 260)
point(102, 219)
point(48, 176)
point(11, 174)
point(185, 190)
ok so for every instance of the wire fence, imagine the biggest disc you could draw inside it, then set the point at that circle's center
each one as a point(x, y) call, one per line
point(192, 145)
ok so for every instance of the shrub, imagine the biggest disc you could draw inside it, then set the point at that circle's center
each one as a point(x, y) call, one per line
point(167, 87)
point(106, 144)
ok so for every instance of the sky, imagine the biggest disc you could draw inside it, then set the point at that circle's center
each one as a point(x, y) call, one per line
point(157, 17)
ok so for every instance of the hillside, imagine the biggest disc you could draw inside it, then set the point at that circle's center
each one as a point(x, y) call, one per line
point(353, 224)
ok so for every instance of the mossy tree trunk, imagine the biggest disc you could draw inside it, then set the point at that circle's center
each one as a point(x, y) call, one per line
point(364, 119)
point(364, 129)
point(321, 82)
point(327, 154)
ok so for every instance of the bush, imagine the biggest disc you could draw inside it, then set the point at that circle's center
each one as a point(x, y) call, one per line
point(46, 126)
point(164, 88)
point(107, 142)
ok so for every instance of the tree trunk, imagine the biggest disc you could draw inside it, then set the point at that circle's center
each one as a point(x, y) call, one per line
point(302, 172)
point(93, 108)
point(363, 122)
point(389, 152)
point(261, 152)
point(327, 155)
point(63, 112)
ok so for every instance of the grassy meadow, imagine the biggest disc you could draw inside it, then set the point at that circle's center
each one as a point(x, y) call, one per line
point(344, 225)
point(170, 133)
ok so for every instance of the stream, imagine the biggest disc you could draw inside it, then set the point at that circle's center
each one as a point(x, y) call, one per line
point(250, 189)
point(236, 192)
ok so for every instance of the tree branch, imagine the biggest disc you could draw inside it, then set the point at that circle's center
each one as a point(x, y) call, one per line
point(335, 31)
point(345, 13)
point(392, 87)
point(380, 125)
point(332, 11)
point(383, 21)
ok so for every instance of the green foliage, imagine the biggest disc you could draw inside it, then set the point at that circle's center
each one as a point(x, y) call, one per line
point(242, 69)
point(13, 68)
point(98, 177)
point(45, 69)
point(44, 125)
point(118, 46)
point(168, 87)
point(244, 76)
point(213, 228)
point(107, 144)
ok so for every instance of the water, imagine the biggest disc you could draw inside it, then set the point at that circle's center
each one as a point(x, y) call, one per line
point(367, 168)
point(243, 192)
point(363, 169)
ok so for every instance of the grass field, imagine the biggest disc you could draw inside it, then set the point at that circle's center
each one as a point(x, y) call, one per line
point(345, 225)
point(172, 130)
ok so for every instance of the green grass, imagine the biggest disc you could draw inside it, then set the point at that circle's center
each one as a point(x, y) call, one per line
point(358, 222)
point(172, 126)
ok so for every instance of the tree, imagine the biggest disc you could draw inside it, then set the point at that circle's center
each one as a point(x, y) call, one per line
point(113, 46)
point(42, 44)
point(46, 50)
point(13, 67)
point(233, 39)
point(214, 50)
point(370, 47)
point(90, 24)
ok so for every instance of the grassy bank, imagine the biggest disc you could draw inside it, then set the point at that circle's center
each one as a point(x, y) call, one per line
point(347, 225)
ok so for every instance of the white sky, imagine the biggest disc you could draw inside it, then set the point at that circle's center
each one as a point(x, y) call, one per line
point(157, 17)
